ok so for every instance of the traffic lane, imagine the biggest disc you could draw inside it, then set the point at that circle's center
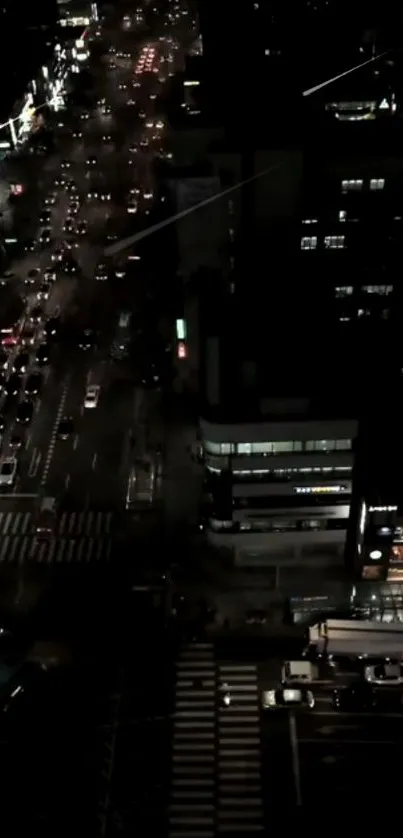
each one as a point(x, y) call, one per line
point(61, 453)
point(337, 750)
point(38, 435)
point(104, 441)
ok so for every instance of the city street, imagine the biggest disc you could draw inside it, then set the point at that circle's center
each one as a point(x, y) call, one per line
point(99, 183)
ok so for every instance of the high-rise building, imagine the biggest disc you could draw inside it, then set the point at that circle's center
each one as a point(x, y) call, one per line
point(300, 331)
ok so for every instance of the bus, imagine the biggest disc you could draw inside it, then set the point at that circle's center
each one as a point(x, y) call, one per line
point(121, 341)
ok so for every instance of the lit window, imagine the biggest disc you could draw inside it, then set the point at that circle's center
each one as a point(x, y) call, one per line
point(334, 242)
point(342, 215)
point(309, 242)
point(309, 220)
point(383, 290)
point(352, 185)
point(376, 184)
point(343, 291)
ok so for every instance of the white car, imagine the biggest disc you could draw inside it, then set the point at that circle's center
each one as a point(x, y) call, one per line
point(132, 207)
point(387, 674)
point(288, 698)
point(148, 195)
point(8, 470)
point(92, 396)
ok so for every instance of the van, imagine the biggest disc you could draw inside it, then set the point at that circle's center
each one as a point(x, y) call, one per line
point(298, 672)
point(46, 519)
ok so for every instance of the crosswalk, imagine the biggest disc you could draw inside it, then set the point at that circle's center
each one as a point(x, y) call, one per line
point(68, 525)
point(79, 537)
point(216, 770)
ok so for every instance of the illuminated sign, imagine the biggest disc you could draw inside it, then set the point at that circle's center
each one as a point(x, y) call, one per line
point(383, 509)
point(375, 555)
point(75, 21)
point(16, 188)
point(363, 517)
point(319, 490)
point(181, 329)
point(191, 83)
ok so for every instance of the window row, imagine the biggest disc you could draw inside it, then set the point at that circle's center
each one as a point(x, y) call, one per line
point(323, 446)
point(278, 526)
point(347, 290)
point(329, 242)
point(376, 184)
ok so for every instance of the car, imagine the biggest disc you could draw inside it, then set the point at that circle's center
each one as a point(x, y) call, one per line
point(32, 276)
point(69, 267)
point(132, 207)
point(148, 195)
point(87, 339)
point(49, 275)
point(42, 354)
point(59, 182)
point(65, 164)
point(70, 244)
point(13, 386)
point(71, 187)
point(122, 86)
point(65, 428)
point(16, 441)
point(84, 116)
point(82, 228)
point(50, 200)
point(45, 217)
point(77, 135)
point(52, 326)
point(384, 674)
point(91, 161)
point(36, 314)
point(93, 195)
point(30, 246)
point(105, 196)
point(160, 124)
point(68, 226)
point(33, 384)
point(133, 149)
point(43, 291)
point(57, 255)
point(101, 273)
point(355, 698)
point(288, 698)
point(21, 363)
point(73, 210)
point(120, 272)
point(28, 335)
point(44, 238)
point(91, 396)
point(106, 138)
point(144, 143)
point(8, 471)
point(142, 114)
point(24, 413)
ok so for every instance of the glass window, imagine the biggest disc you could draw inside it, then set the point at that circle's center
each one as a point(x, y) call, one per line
point(376, 184)
point(324, 445)
point(343, 444)
point(378, 289)
point(309, 220)
point(352, 185)
point(309, 242)
point(212, 447)
point(226, 448)
point(335, 242)
point(262, 447)
point(343, 291)
point(342, 215)
point(244, 448)
point(283, 447)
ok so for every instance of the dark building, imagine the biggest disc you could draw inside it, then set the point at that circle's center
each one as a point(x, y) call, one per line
point(27, 34)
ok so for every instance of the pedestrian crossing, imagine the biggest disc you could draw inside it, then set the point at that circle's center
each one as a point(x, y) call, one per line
point(68, 524)
point(78, 537)
point(216, 764)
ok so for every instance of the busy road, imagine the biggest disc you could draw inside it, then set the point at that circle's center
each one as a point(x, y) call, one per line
point(69, 411)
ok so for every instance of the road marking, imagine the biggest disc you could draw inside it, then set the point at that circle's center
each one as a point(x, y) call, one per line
point(349, 742)
point(34, 464)
point(295, 758)
point(53, 436)
point(75, 443)
point(28, 441)
point(94, 461)
point(67, 481)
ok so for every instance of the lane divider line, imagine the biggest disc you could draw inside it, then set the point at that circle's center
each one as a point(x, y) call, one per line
point(53, 437)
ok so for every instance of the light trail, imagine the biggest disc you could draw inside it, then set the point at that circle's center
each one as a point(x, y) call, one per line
point(143, 234)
